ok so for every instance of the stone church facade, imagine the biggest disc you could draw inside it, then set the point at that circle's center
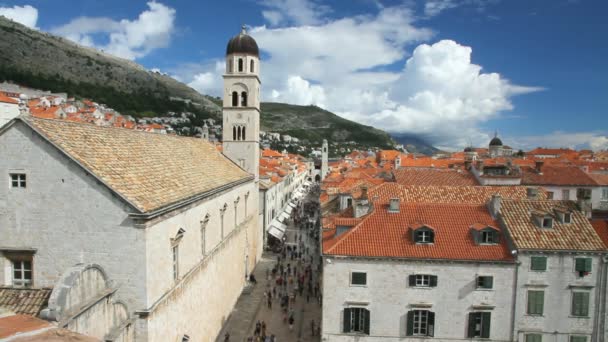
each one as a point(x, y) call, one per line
point(169, 222)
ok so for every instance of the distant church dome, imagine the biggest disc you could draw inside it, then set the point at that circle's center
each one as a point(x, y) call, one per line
point(243, 43)
point(495, 142)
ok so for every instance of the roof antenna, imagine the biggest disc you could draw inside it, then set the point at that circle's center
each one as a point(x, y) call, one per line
point(495, 133)
point(243, 29)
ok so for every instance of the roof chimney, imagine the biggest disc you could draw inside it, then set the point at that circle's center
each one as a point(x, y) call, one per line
point(539, 165)
point(393, 205)
point(495, 204)
point(363, 192)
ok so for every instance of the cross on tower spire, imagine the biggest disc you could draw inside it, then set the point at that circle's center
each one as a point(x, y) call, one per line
point(243, 29)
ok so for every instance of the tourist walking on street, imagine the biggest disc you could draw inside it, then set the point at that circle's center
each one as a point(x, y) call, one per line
point(291, 323)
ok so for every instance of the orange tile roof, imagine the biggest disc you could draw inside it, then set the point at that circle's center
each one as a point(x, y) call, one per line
point(389, 155)
point(24, 301)
point(428, 176)
point(599, 178)
point(525, 234)
point(271, 153)
point(384, 234)
point(6, 99)
point(430, 162)
point(601, 228)
point(556, 175)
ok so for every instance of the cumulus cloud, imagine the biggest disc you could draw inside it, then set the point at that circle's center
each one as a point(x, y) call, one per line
point(130, 39)
point(26, 15)
point(594, 140)
point(298, 12)
point(434, 7)
point(207, 78)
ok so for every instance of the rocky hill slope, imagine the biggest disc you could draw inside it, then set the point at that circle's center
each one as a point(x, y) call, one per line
point(44, 61)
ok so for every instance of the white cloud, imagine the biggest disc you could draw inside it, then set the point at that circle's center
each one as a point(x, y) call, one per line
point(298, 12)
point(126, 38)
point(26, 15)
point(594, 140)
point(299, 91)
point(434, 7)
point(207, 78)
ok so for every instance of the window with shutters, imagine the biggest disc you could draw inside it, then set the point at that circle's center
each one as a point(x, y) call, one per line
point(538, 263)
point(420, 323)
point(422, 280)
point(536, 302)
point(485, 282)
point(479, 324)
point(578, 338)
point(356, 320)
point(534, 338)
point(580, 304)
point(358, 278)
point(582, 266)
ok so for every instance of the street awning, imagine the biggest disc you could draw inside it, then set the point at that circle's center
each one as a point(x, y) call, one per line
point(288, 209)
point(291, 204)
point(274, 231)
point(283, 216)
point(307, 183)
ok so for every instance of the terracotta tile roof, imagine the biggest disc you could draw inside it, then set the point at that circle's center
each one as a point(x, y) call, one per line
point(33, 329)
point(6, 99)
point(517, 216)
point(438, 177)
point(271, 153)
point(445, 194)
point(550, 151)
point(24, 301)
point(600, 179)
point(384, 234)
point(430, 162)
point(601, 228)
point(389, 155)
point(149, 170)
point(556, 175)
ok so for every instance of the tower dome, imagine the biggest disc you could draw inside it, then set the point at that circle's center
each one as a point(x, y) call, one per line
point(243, 43)
point(495, 142)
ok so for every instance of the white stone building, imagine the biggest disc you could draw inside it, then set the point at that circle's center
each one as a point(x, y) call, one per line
point(9, 109)
point(169, 220)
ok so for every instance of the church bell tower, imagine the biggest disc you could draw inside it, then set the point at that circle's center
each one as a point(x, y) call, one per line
point(241, 108)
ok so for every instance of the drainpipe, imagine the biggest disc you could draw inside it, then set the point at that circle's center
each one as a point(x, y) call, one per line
point(514, 336)
point(600, 311)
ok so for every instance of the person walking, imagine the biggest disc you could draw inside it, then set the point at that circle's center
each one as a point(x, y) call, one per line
point(270, 303)
point(291, 320)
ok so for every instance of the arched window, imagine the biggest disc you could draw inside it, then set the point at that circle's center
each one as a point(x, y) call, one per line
point(235, 99)
point(251, 66)
point(233, 132)
point(238, 133)
point(240, 65)
point(243, 133)
point(230, 66)
point(244, 99)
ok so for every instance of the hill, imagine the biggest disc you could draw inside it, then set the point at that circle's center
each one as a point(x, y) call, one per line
point(44, 61)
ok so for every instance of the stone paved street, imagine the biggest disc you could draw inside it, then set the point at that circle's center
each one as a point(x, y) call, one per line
point(252, 305)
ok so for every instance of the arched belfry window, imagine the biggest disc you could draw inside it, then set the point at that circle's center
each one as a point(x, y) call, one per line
point(243, 133)
point(235, 99)
point(251, 69)
point(233, 132)
point(230, 65)
point(239, 133)
point(244, 99)
point(240, 65)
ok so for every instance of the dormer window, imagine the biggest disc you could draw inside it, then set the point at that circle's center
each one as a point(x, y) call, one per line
point(567, 218)
point(423, 234)
point(489, 236)
point(485, 234)
point(547, 222)
point(543, 219)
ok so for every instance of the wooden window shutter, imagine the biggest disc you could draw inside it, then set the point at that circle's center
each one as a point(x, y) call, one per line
point(539, 263)
point(412, 279)
point(346, 320)
point(410, 323)
point(587, 264)
point(433, 281)
point(431, 330)
point(486, 318)
point(488, 282)
point(579, 265)
point(366, 321)
point(471, 329)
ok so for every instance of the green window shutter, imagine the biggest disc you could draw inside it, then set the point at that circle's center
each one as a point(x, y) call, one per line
point(587, 264)
point(431, 331)
point(433, 281)
point(539, 263)
point(412, 278)
point(488, 282)
point(534, 337)
point(486, 318)
point(580, 304)
point(536, 301)
point(366, 321)
point(471, 329)
point(410, 323)
point(579, 264)
point(578, 338)
point(346, 320)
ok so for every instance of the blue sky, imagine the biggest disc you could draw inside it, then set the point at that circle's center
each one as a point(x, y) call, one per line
point(451, 71)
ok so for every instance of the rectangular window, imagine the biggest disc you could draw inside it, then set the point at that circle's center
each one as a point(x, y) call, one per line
point(22, 273)
point(565, 194)
point(534, 338)
point(567, 218)
point(547, 222)
point(479, 324)
point(582, 266)
point(536, 302)
point(420, 323)
point(358, 278)
point(575, 338)
point(17, 180)
point(175, 252)
point(488, 236)
point(356, 320)
point(423, 280)
point(538, 263)
point(605, 193)
point(550, 195)
point(580, 304)
point(485, 282)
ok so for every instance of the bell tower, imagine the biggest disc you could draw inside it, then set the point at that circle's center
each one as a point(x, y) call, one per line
point(241, 107)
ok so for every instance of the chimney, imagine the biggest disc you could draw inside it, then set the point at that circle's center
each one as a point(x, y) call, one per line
point(495, 204)
point(539, 165)
point(393, 205)
point(398, 162)
point(532, 193)
point(480, 166)
point(364, 192)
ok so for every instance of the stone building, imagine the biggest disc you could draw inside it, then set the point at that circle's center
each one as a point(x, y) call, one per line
point(163, 229)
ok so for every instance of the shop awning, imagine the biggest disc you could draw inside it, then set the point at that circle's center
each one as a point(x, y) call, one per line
point(283, 216)
point(288, 209)
point(274, 231)
point(291, 204)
